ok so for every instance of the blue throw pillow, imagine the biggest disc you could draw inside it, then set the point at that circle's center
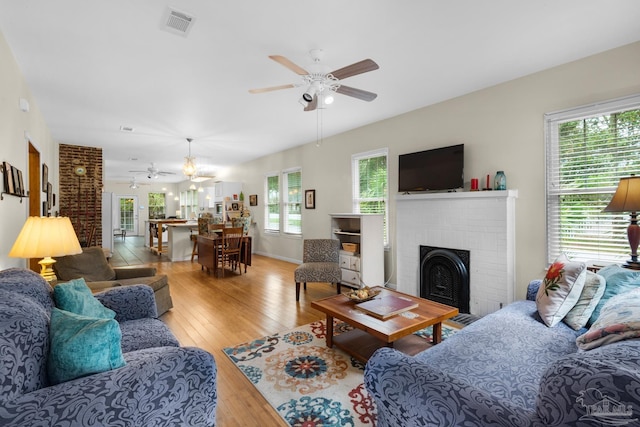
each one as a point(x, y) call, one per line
point(81, 345)
point(619, 280)
point(76, 297)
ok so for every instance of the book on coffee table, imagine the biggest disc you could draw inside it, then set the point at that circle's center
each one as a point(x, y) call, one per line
point(387, 306)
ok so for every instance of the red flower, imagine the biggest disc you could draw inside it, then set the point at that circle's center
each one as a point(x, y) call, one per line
point(553, 277)
point(554, 271)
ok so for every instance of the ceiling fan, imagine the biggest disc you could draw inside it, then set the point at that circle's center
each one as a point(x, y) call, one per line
point(320, 82)
point(153, 172)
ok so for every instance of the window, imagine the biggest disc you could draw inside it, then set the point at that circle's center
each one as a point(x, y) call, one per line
point(291, 182)
point(285, 205)
point(272, 205)
point(156, 206)
point(127, 213)
point(188, 203)
point(588, 150)
point(370, 190)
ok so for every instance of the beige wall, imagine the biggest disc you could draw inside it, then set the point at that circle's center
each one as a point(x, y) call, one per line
point(14, 126)
point(501, 127)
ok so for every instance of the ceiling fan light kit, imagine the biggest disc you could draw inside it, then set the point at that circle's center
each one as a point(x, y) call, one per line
point(321, 84)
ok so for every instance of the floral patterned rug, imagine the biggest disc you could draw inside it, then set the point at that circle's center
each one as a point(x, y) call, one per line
point(307, 383)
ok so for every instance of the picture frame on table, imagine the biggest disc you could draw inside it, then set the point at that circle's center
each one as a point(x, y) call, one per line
point(9, 186)
point(45, 176)
point(235, 206)
point(253, 200)
point(310, 199)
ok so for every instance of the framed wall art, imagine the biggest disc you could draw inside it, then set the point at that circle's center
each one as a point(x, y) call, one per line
point(9, 186)
point(310, 199)
point(49, 195)
point(45, 176)
point(253, 200)
point(23, 190)
point(17, 190)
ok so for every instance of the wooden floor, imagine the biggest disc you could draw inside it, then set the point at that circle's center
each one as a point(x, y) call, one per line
point(213, 312)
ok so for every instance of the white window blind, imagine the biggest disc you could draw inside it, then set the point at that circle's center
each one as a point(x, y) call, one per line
point(370, 185)
point(588, 150)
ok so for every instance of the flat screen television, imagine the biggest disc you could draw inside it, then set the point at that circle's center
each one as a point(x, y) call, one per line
point(432, 170)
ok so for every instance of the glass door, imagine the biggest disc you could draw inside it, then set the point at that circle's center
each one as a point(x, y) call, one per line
point(128, 214)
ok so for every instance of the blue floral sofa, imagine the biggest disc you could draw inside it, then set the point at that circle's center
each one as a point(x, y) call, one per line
point(160, 384)
point(508, 369)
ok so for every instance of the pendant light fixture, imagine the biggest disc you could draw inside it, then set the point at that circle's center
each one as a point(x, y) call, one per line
point(189, 167)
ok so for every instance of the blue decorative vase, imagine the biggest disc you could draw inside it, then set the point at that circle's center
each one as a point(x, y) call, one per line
point(500, 182)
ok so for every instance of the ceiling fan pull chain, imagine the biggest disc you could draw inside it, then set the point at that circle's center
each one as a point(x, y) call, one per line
point(318, 127)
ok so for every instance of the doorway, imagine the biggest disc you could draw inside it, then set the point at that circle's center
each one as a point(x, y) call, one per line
point(34, 192)
point(128, 214)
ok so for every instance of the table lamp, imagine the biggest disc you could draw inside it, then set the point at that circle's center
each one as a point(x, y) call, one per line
point(627, 199)
point(46, 237)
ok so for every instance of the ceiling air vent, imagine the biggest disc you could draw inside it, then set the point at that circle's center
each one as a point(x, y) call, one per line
point(177, 22)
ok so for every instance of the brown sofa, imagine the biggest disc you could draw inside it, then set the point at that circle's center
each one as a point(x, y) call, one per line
point(92, 265)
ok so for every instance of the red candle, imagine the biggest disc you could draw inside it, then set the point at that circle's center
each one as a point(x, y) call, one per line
point(488, 186)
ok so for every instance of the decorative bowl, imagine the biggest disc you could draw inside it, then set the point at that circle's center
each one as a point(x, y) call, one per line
point(370, 294)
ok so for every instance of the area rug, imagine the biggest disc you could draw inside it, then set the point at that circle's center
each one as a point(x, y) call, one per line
point(307, 383)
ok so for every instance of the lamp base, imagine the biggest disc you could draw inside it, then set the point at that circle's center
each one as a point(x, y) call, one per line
point(47, 269)
point(632, 265)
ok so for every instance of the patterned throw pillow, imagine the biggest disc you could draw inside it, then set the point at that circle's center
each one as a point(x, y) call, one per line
point(619, 280)
point(619, 320)
point(560, 289)
point(593, 290)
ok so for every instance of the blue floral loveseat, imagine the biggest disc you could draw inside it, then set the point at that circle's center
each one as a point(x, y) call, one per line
point(509, 369)
point(159, 383)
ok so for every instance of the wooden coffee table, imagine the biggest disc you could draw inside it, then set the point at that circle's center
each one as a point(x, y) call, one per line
point(371, 333)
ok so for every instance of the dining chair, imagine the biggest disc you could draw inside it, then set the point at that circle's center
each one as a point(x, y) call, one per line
point(231, 248)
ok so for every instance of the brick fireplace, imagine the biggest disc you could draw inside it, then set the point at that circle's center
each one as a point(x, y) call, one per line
point(482, 223)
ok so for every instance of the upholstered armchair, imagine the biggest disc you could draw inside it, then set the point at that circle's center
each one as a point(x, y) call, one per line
point(92, 266)
point(320, 263)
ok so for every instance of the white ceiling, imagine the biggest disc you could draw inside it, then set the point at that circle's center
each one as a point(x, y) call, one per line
point(94, 66)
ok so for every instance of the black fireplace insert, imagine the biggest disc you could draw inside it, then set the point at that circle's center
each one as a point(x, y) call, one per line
point(444, 276)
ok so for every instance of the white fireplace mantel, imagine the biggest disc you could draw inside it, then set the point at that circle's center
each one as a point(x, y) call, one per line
point(482, 222)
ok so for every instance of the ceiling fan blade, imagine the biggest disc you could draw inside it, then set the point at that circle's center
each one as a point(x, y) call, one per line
point(357, 93)
point(313, 104)
point(363, 66)
point(290, 65)
point(269, 89)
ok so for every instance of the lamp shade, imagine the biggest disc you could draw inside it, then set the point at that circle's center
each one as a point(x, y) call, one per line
point(46, 237)
point(626, 197)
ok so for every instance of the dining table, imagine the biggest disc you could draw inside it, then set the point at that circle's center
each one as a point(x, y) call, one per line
point(209, 251)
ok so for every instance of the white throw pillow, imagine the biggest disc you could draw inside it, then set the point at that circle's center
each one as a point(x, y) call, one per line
point(560, 290)
point(593, 290)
